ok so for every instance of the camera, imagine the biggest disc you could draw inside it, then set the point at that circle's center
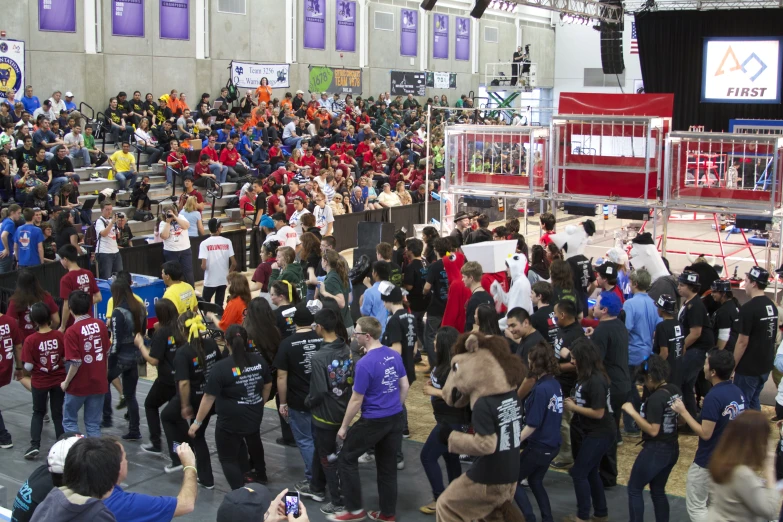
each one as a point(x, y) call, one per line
point(527, 49)
point(169, 214)
point(119, 215)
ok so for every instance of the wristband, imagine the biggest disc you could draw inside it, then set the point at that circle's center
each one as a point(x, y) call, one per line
point(189, 467)
point(197, 422)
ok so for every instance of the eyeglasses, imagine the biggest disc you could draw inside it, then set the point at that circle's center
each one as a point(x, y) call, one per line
point(359, 333)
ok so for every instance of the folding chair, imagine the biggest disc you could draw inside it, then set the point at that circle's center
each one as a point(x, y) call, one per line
point(213, 331)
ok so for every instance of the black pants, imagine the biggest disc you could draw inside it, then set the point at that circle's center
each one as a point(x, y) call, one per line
point(325, 472)
point(56, 397)
point(159, 394)
point(218, 291)
point(385, 435)
point(608, 466)
point(204, 182)
point(176, 429)
point(233, 450)
point(129, 373)
point(288, 436)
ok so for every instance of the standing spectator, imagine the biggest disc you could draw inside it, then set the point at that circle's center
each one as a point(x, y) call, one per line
point(28, 241)
point(414, 277)
point(178, 291)
point(76, 278)
point(192, 214)
point(107, 253)
point(217, 260)
point(471, 278)
point(11, 364)
point(336, 285)
point(176, 243)
point(437, 287)
point(7, 234)
point(324, 219)
point(669, 339)
point(371, 304)
point(724, 319)
point(28, 292)
point(124, 165)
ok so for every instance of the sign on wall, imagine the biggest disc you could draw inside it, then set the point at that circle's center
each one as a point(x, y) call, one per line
point(127, 18)
point(440, 80)
point(248, 75)
point(175, 19)
point(335, 80)
point(345, 26)
point(741, 70)
point(408, 82)
point(409, 32)
point(315, 24)
point(440, 39)
point(462, 47)
point(57, 15)
point(11, 67)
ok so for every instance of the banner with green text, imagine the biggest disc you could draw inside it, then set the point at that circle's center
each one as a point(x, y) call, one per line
point(335, 80)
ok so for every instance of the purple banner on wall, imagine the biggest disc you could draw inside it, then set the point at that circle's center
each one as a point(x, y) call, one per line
point(409, 32)
point(462, 48)
point(175, 19)
point(315, 24)
point(440, 39)
point(127, 18)
point(345, 23)
point(57, 15)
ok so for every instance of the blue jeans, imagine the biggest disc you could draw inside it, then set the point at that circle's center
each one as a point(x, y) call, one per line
point(588, 452)
point(108, 264)
point(293, 142)
point(431, 452)
point(54, 186)
point(171, 174)
point(533, 464)
point(184, 258)
point(652, 466)
point(93, 407)
point(220, 171)
point(126, 179)
point(84, 153)
point(751, 387)
point(692, 364)
point(301, 423)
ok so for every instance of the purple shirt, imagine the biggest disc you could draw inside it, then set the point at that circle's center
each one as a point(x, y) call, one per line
point(377, 378)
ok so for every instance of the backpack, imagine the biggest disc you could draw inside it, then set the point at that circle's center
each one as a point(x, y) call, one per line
point(143, 215)
point(91, 235)
point(233, 93)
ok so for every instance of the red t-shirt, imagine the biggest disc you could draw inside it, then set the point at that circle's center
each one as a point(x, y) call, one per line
point(23, 316)
point(212, 153)
point(362, 148)
point(10, 336)
point(77, 280)
point(196, 194)
point(88, 341)
point(177, 157)
point(271, 203)
point(262, 273)
point(546, 239)
point(199, 169)
point(46, 352)
point(246, 204)
point(289, 202)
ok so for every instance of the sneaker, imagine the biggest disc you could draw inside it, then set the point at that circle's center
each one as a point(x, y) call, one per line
point(305, 490)
point(429, 509)
point(121, 404)
point(202, 485)
point(347, 516)
point(151, 448)
point(376, 515)
point(406, 434)
point(107, 423)
point(47, 419)
point(401, 464)
point(172, 468)
point(620, 442)
point(281, 441)
point(524, 483)
point(366, 458)
point(31, 453)
point(132, 437)
point(559, 464)
point(7, 444)
point(633, 434)
point(331, 509)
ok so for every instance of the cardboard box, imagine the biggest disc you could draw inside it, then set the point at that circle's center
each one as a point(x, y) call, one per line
point(491, 255)
point(195, 144)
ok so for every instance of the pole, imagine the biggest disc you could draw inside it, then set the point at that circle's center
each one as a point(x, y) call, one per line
point(427, 168)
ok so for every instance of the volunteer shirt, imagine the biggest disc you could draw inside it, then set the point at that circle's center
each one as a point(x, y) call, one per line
point(377, 378)
point(163, 347)
point(286, 236)
point(178, 239)
point(657, 410)
point(758, 319)
point(108, 244)
point(726, 318)
point(526, 344)
point(544, 411)
point(28, 237)
point(593, 393)
point(611, 339)
point(80, 279)
point(498, 415)
point(415, 274)
point(476, 298)
point(439, 289)
point(238, 392)
point(294, 356)
point(123, 162)
point(217, 250)
point(88, 341)
point(46, 352)
point(669, 333)
point(183, 296)
point(187, 367)
point(136, 507)
point(694, 313)
point(401, 328)
point(32, 493)
point(284, 324)
point(10, 336)
point(545, 322)
point(721, 405)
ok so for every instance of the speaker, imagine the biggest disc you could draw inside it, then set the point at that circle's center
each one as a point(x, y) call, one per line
point(612, 49)
point(479, 8)
point(576, 209)
point(752, 222)
point(427, 5)
point(634, 213)
point(373, 232)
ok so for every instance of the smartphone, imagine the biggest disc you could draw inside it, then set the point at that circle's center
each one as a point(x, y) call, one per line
point(292, 504)
point(174, 446)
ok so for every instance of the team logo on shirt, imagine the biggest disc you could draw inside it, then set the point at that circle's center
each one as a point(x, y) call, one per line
point(732, 410)
point(43, 361)
point(236, 371)
point(88, 358)
point(171, 340)
point(195, 361)
point(87, 346)
point(770, 311)
point(555, 404)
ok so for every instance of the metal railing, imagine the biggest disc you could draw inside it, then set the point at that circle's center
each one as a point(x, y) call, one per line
point(501, 75)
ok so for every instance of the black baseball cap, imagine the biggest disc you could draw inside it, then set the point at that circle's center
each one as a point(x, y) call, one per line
point(666, 303)
point(246, 504)
point(758, 275)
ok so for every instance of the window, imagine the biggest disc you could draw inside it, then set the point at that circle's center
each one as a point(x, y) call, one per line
point(595, 77)
point(491, 34)
point(232, 6)
point(384, 21)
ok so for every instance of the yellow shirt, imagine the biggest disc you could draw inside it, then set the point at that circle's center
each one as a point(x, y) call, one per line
point(123, 162)
point(183, 296)
point(110, 305)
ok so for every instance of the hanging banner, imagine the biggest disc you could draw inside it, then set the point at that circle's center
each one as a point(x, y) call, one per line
point(127, 18)
point(57, 15)
point(408, 82)
point(249, 75)
point(409, 32)
point(440, 80)
point(462, 47)
point(11, 67)
point(175, 19)
point(335, 80)
point(315, 24)
point(440, 39)
point(345, 26)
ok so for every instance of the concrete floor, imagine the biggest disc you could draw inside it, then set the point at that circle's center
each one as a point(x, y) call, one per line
point(284, 467)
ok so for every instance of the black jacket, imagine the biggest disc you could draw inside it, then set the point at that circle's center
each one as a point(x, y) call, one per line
point(328, 397)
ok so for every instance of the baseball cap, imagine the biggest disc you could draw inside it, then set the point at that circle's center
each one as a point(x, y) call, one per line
point(267, 222)
point(759, 275)
point(246, 504)
point(689, 278)
point(607, 269)
point(213, 225)
point(59, 451)
point(303, 316)
point(69, 94)
point(390, 293)
point(667, 303)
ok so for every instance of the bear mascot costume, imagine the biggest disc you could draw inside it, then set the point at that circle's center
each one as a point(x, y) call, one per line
point(519, 294)
point(644, 254)
point(573, 242)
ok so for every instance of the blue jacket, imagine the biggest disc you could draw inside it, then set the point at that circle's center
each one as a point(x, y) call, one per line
point(373, 306)
point(641, 318)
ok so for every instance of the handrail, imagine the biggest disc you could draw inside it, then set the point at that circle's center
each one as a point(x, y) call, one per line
point(92, 111)
point(103, 129)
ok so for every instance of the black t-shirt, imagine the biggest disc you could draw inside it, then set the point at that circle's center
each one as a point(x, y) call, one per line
point(63, 237)
point(443, 412)
point(439, 289)
point(611, 339)
point(401, 328)
point(32, 493)
point(125, 236)
point(164, 349)
point(114, 115)
point(498, 415)
point(314, 262)
point(415, 275)
point(238, 392)
point(669, 333)
point(726, 318)
point(593, 393)
point(41, 169)
point(526, 344)
point(657, 410)
point(187, 367)
point(151, 106)
point(396, 273)
point(24, 156)
point(758, 319)
point(583, 275)
point(478, 298)
point(284, 324)
point(137, 106)
point(545, 322)
point(293, 357)
point(692, 314)
point(60, 167)
point(260, 205)
point(566, 335)
point(49, 248)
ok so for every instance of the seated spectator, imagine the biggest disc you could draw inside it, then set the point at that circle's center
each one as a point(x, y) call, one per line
point(387, 198)
point(403, 194)
point(97, 156)
point(232, 160)
point(177, 164)
point(26, 182)
point(139, 198)
point(146, 144)
point(74, 141)
point(124, 165)
point(119, 129)
point(61, 170)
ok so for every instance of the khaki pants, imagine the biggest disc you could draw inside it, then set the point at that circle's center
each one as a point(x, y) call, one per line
point(565, 455)
point(465, 500)
point(697, 493)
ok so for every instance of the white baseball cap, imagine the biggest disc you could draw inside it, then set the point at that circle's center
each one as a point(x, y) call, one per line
point(69, 94)
point(59, 451)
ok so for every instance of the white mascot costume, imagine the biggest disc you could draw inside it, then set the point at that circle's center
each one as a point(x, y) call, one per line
point(519, 293)
point(644, 254)
point(574, 239)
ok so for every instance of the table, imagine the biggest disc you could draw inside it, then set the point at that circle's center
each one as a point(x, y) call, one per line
point(149, 289)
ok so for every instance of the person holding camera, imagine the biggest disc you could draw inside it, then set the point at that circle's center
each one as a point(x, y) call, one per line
point(176, 243)
point(107, 252)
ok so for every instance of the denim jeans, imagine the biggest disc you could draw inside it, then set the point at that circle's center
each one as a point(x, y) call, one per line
point(652, 466)
point(184, 258)
point(751, 387)
point(533, 464)
point(171, 174)
point(301, 425)
point(431, 452)
point(588, 487)
point(130, 378)
point(293, 142)
point(83, 152)
point(220, 171)
point(108, 264)
point(692, 364)
point(153, 154)
point(56, 396)
point(54, 186)
point(325, 472)
point(93, 407)
point(126, 179)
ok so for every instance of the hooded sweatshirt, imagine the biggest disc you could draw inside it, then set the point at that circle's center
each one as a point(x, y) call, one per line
point(331, 384)
point(294, 274)
point(64, 505)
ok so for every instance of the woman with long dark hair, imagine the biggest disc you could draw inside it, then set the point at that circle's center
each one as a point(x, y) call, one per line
point(563, 283)
point(28, 292)
point(284, 296)
point(238, 386)
point(429, 235)
point(592, 428)
point(486, 320)
point(64, 230)
point(433, 449)
point(336, 286)
point(310, 256)
point(539, 269)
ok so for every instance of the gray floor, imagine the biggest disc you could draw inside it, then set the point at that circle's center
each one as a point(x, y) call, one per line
point(284, 467)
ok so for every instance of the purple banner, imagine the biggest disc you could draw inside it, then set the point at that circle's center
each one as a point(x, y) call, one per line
point(175, 19)
point(57, 15)
point(127, 18)
point(345, 23)
point(440, 39)
point(462, 47)
point(315, 24)
point(409, 32)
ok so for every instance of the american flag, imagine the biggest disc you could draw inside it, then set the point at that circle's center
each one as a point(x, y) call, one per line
point(634, 41)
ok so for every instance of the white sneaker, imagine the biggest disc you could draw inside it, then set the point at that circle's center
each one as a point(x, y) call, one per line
point(401, 464)
point(171, 468)
point(366, 458)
